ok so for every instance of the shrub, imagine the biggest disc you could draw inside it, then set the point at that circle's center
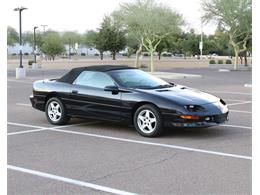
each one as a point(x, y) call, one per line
point(220, 61)
point(13, 54)
point(228, 61)
point(212, 62)
point(146, 54)
point(26, 54)
point(96, 54)
point(30, 62)
point(167, 55)
point(143, 66)
point(83, 54)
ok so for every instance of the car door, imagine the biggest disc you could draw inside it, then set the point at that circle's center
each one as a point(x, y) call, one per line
point(89, 99)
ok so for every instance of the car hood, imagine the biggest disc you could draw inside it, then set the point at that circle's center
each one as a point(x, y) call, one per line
point(184, 95)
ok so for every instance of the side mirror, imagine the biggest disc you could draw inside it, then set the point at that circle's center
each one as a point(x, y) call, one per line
point(112, 88)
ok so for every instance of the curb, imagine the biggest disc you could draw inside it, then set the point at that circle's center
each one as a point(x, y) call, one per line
point(167, 75)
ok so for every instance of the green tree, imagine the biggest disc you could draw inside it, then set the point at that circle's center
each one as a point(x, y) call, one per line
point(29, 38)
point(52, 44)
point(132, 44)
point(235, 17)
point(12, 36)
point(88, 38)
point(163, 45)
point(149, 22)
point(71, 38)
point(113, 35)
point(110, 37)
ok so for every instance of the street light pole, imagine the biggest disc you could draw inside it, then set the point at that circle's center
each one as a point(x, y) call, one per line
point(20, 9)
point(34, 47)
point(201, 41)
point(69, 46)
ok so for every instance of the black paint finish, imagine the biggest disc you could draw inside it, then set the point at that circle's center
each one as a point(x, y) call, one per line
point(117, 103)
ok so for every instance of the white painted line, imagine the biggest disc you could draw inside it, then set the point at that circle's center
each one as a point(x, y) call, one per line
point(240, 103)
point(21, 104)
point(236, 126)
point(223, 70)
point(232, 100)
point(240, 111)
point(229, 92)
point(135, 141)
point(27, 131)
point(11, 80)
point(156, 144)
point(68, 180)
point(26, 125)
point(73, 125)
point(248, 85)
point(39, 128)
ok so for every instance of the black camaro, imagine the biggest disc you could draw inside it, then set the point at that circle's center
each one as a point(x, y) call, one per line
point(126, 94)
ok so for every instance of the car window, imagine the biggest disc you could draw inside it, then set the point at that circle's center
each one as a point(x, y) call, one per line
point(94, 79)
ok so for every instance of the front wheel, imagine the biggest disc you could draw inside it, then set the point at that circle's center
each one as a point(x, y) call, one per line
point(147, 121)
point(55, 112)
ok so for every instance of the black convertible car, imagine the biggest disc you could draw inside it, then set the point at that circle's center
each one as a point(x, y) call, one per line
point(126, 94)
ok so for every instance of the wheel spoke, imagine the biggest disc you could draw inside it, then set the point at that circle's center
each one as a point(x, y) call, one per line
point(52, 106)
point(149, 126)
point(142, 118)
point(147, 113)
point(152, 120)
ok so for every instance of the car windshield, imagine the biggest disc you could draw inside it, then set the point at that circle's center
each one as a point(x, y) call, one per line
point(135, 78)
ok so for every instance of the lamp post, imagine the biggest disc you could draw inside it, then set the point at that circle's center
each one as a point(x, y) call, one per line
point(69, 47)
point(34, 46)
point(20, 9)
point(20, 71)
point(201, 41)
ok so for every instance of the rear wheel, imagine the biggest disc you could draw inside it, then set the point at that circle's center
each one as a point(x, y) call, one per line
point(55, 112)
point(147, 121)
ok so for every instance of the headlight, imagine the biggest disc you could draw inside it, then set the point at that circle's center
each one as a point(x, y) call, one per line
point(194, 108)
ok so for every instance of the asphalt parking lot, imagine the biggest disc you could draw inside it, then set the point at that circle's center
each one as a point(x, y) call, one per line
point(94, 157)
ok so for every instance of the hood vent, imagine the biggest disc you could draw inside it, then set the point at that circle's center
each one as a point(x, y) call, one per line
point(163, 90)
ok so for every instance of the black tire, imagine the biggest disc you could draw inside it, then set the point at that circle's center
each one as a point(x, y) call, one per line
point(157, 126)
point(60, 110)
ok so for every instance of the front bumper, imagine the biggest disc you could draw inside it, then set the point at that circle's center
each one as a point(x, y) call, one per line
point(204, 121)
point(37, 103)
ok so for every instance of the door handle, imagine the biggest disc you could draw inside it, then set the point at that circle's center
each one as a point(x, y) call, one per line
point(75, 91)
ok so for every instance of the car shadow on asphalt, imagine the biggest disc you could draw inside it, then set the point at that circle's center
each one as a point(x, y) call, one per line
point(169, 132)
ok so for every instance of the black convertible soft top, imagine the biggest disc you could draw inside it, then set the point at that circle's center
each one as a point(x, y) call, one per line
point(74, 73)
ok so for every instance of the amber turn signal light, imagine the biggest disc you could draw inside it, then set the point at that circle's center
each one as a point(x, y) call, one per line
point(190, 117)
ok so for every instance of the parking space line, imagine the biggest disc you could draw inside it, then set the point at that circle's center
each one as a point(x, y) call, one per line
point(156, 144)
point(236, 126)
point(56, 129)
point(11, 80)
point(240, 111)
point(229, 92)
point(70, 181)
point(240, 103)
point(233, 100)
point(21, 104)
point(27, 131)
point(26, 125)
point(39, 128)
